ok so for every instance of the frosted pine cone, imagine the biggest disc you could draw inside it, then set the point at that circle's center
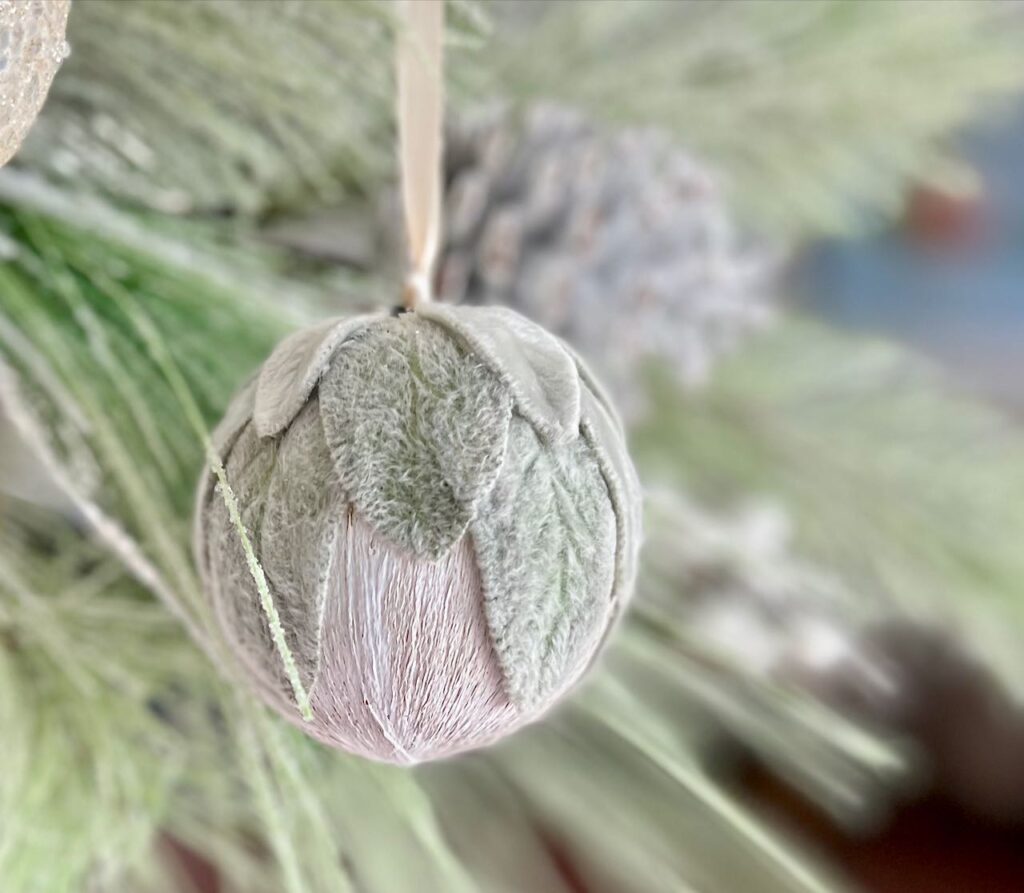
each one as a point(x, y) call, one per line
point(619, 243)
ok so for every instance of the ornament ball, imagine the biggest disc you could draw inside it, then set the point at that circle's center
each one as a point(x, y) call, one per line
point(446, 518)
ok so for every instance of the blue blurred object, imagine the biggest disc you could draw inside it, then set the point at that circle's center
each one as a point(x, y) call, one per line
point(963, 302)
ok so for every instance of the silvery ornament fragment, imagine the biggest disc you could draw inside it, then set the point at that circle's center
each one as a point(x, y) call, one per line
point(32, 46)
point(447, 520)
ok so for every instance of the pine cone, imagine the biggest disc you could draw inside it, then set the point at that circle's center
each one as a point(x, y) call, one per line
point(619, 243)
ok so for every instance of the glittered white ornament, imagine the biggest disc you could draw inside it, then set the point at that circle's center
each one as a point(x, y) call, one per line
point(32, 46)
point(446, 518)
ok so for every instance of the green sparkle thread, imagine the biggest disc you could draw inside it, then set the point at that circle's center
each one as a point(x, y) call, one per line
point(181, 390)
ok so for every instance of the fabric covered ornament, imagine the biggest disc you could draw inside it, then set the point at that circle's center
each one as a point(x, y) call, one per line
point(446, 518)
point(32, 46)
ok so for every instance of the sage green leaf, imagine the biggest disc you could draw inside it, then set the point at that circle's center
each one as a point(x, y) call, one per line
point(532, 363)
point(601, 431)
point(301, 521)
point(545, 540)
point(294, 369)
point(417, 429)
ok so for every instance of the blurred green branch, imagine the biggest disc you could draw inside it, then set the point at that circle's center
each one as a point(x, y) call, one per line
point(815, 112)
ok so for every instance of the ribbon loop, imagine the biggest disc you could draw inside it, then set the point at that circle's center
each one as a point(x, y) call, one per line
point(420, 103)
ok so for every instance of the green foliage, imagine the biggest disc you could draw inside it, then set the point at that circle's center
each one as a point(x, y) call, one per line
point(910, 489)
point(865, 444)
point(204, 106)
point(110, 355)
point(225, 106)
point(88, 763)
point(815, 112)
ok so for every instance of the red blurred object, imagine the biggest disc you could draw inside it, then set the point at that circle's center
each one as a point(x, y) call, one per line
point(941, 219)
point(565, 864)
point(929, 846)
point(196, 873)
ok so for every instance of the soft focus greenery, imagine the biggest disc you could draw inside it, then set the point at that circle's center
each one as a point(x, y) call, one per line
point(899, 480)
point(816, 113)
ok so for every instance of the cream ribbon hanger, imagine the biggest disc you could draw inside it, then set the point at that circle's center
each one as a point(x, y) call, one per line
point(420, 127)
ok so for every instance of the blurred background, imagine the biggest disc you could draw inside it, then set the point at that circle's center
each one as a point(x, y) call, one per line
point(790, 237)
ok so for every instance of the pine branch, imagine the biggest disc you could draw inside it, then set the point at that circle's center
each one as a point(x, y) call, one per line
point(910, 491)
point(89, 764)
point(818, 114)
point(219, 106)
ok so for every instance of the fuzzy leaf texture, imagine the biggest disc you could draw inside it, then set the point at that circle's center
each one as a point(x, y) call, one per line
point(463, 445)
